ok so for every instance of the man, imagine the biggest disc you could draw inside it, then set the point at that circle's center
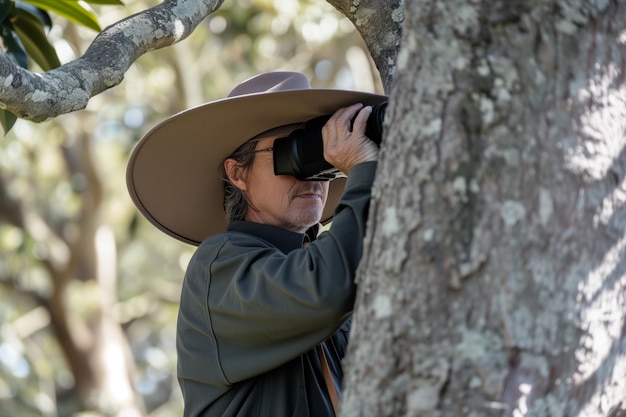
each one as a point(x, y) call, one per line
point(265, 305)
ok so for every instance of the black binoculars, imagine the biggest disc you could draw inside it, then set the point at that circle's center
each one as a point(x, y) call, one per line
point(301, 154)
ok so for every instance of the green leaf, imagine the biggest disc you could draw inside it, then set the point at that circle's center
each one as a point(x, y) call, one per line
point(7, 119)
point(40, 14)
point(13, 45)
point(71, 10)
point(32, 34)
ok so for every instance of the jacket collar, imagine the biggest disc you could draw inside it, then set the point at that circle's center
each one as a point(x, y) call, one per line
point(284, 240)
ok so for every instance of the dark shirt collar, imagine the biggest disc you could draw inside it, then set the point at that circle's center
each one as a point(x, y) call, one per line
point(284, 240)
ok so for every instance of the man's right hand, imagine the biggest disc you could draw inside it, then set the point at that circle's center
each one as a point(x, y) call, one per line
point(344, 148)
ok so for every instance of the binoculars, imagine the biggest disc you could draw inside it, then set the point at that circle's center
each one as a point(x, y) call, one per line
point(301, 154)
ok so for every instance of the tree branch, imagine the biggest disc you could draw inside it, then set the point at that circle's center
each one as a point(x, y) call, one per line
point(39, 97)
point(380, 26)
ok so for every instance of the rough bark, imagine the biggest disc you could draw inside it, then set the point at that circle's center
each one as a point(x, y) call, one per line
point(40, 97)
point(494, 277)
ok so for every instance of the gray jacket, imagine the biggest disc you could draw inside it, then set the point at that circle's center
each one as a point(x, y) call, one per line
point(254, 306)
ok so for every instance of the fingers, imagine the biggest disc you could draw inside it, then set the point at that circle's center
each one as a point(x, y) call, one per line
point(340, 123)
point(345, 143)
point(345, 115)
point(360, 122)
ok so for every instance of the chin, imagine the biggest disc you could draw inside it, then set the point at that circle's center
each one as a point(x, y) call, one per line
point(305, 222)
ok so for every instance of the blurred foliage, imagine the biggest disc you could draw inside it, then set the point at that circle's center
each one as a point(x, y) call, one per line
point(46, 191)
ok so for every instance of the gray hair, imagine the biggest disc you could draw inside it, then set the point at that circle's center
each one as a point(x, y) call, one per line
point(235, 203)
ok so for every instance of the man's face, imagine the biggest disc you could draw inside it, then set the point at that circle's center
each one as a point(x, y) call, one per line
point(281, 200)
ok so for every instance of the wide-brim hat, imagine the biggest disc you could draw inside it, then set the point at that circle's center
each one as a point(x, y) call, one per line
point(173, 173)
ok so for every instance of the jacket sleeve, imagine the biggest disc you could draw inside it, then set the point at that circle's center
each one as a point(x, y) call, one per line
point(265, 307)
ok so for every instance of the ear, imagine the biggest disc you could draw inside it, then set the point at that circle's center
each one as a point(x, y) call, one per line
point(235, 174)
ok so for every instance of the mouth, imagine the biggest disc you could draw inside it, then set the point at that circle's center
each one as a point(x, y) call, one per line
point(309, 191)
point(308, 195)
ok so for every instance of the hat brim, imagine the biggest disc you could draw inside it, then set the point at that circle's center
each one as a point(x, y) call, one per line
point(173, 173)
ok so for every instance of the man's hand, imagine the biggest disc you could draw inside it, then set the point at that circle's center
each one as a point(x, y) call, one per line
point(344, 148)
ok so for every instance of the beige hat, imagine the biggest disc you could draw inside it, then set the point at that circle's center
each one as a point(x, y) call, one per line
point(173, 173)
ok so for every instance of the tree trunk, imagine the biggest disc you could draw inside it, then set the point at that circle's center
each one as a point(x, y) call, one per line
point(493, 281)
